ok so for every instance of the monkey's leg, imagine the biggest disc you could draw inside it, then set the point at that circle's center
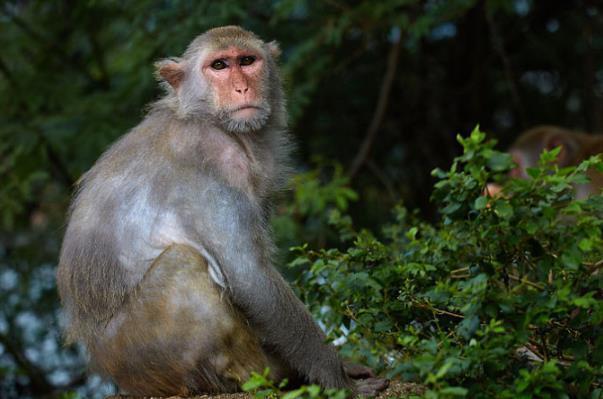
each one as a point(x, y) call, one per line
point(178, 333)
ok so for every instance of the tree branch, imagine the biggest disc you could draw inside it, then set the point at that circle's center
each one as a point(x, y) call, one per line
point(380, 175)
point(386, 86)
point(499, 47)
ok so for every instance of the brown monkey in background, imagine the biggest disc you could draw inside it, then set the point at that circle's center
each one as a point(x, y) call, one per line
point(165, 271)
point(575, 148)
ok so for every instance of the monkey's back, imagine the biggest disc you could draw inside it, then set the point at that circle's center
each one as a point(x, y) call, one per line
point(115, 229)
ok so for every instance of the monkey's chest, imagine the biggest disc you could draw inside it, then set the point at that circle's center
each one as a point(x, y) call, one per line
point(239, 169)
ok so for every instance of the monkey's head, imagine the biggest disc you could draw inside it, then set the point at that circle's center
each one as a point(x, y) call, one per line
point(227, 75)
point(527, 148)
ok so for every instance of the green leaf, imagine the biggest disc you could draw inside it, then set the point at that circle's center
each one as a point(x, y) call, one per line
point(454, 391)
point(451, 208)
point(533, 172)
point(586, 244)
point(293, 394)
point(503, 209)
point(500, 162)
point(480, 202)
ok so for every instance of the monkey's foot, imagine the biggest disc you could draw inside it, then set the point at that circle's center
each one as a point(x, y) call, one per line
point(370, 387)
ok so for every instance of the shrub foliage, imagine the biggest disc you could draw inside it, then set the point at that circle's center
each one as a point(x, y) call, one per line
point(500, 299)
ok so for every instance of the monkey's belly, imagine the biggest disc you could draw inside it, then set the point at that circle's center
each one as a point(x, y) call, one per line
point(179, 334)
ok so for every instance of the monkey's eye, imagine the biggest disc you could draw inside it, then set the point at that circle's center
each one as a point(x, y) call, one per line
point(246, 60)
point(218, 64)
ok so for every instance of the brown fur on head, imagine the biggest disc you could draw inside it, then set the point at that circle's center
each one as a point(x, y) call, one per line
point(527, 148)
point(575, 147)
point(228, 75)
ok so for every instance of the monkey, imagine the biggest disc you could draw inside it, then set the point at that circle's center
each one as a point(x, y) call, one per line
point(165, 273)
point(575, 148)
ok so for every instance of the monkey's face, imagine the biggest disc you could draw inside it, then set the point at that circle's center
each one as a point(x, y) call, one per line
point(523, 162)
point(237, 80)
point(228, 76)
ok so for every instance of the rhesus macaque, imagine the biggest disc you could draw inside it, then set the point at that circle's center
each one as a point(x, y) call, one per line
point(575, 148)
point(165, 271)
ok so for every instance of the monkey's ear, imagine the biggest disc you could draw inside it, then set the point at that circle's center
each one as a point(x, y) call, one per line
point(275, 49)
point(171, 71)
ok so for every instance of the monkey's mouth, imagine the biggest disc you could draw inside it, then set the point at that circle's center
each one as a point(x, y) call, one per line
point(246, 112)
point(245, 117)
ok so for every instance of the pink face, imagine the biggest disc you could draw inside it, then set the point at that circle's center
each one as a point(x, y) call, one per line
point(236, 76)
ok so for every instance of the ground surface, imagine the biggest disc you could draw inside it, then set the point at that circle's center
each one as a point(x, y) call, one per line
point(396, 389)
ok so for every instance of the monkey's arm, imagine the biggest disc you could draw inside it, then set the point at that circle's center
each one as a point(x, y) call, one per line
point(235, 236)
point(286, 327)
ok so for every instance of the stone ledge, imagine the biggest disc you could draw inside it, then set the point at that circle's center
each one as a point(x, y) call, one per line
point(396, 389)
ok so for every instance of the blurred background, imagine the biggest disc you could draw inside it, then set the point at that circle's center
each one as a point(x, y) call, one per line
point(378, 91)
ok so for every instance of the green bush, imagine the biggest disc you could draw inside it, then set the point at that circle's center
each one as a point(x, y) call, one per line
point(500, 299)
point(263, 387)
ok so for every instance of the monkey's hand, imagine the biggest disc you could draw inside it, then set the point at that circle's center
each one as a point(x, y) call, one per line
point(370, 387)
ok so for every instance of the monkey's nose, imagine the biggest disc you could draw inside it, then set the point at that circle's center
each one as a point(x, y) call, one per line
point(242, 91)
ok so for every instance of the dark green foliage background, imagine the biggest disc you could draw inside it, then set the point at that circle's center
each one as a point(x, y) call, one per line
point(75, 75)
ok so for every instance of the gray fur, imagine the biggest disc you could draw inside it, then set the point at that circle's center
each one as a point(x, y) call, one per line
point(169, 181)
